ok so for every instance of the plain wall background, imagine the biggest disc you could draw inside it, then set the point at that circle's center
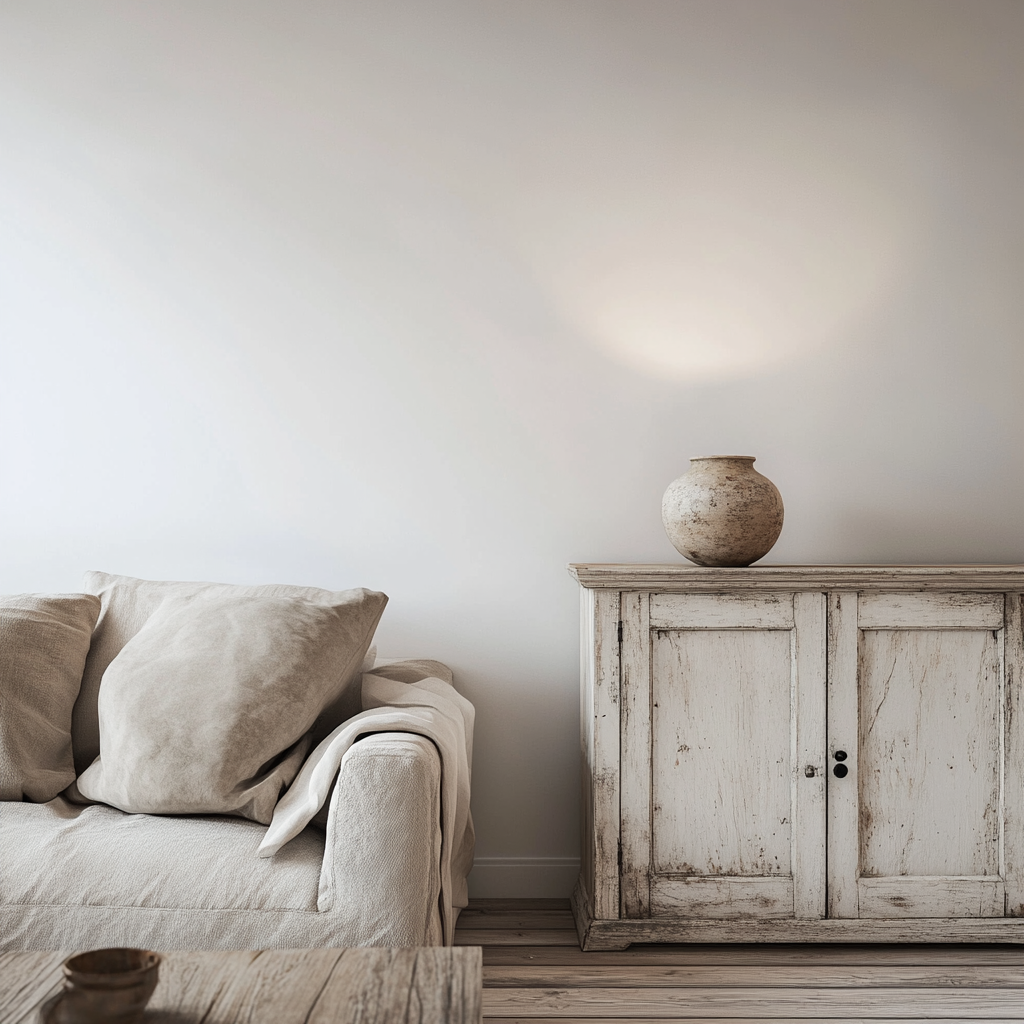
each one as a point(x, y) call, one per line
point(438, 297)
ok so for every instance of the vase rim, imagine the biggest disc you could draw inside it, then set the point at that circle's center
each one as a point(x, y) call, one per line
point(708, 458)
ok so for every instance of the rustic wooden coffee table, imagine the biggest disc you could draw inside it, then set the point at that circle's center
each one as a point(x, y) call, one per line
point(318, 986)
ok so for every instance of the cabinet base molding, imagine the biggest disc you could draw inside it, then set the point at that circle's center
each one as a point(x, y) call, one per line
point(595, 934)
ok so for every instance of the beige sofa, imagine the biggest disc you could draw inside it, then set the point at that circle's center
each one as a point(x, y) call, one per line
point(75, 877)
point(80, 875)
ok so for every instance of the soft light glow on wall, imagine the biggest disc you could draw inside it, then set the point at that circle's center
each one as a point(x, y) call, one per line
point(754, 244)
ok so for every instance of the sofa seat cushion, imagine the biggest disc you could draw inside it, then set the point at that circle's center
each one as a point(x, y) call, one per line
point(141, 860)
point(379, 882)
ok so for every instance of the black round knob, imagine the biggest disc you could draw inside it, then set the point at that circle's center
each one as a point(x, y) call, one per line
point(840, 771)
point(840, 755)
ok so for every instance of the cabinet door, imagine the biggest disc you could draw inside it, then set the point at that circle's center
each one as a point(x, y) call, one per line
point(722, 798)
point(918, 705)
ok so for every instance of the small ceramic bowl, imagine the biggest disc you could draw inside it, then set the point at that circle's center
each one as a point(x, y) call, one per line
point(107, 985)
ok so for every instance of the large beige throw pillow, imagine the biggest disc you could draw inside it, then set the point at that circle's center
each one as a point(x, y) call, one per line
point(209, 707)
point(44, 639)
point(126, 605)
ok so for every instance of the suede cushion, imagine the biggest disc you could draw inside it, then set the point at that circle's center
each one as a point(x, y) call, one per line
point(126, 605)
point(44, 639)
point(209, 707)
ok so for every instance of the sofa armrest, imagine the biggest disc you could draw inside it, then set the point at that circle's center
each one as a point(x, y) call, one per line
point(382, 857)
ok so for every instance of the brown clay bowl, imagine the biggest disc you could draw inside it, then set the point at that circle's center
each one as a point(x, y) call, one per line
point(107, 985)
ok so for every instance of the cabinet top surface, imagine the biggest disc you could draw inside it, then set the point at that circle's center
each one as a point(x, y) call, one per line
point(685, 577)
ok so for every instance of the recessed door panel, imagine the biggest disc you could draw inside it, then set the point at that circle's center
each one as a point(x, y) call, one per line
point(929, 752)
point(723, 741)
point(916, 752)
point(722, 722)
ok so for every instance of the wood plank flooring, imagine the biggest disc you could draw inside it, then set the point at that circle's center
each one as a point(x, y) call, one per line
point(277, 986)
point(535, 973)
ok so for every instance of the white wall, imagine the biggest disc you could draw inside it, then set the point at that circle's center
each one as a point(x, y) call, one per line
point(438, 297)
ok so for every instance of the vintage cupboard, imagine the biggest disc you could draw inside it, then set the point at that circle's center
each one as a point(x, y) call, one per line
point(801, 753)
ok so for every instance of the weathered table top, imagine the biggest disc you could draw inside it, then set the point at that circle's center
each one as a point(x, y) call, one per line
point(318, 986)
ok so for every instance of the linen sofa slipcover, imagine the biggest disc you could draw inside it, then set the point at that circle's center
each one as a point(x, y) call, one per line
point(389, 870)
point(77, 877)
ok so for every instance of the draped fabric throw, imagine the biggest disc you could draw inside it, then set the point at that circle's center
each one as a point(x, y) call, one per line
point(416, 697)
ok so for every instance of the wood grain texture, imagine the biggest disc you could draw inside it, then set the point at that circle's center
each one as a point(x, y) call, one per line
point(936, 1003)
point(27, 980)
point(407, 985)
point(513, 904)
point(583, 913)
point(842, 857)
point(929, 753)
point(721, 752)
point(600, 729)
point(588, 677)
point(736, 1020)
point(446, 987)
point(238, 986)
point(834, 955)
point(635, 782)
point(930, 611)
point(737, 898)
point(808, 768)
point(726, 611)
point(525, 937)
point(502, 918)
point(787, 975)
point(308, 986)
point(1013, 754)
point(616, 934)
point(679, 578)
point(908, 896)
point(764, 978)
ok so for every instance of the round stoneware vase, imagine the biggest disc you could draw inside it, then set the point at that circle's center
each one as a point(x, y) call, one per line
point(722, 512)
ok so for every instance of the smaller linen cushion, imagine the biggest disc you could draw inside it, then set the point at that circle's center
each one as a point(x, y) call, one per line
point(44, 640)
point(208, 708)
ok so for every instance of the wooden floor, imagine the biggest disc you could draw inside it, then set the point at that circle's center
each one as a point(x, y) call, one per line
point(535, 972)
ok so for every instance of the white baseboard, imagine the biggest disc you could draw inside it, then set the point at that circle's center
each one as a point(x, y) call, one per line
point(523, 877)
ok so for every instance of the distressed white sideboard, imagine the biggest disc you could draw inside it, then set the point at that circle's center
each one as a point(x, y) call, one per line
point(801, 754)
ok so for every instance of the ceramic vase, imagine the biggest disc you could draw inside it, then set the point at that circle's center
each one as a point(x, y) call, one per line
point(722, 512)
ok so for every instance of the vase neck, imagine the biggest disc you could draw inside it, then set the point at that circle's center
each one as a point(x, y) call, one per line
point(749, 459)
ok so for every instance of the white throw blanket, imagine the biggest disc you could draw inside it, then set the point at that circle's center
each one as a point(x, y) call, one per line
point(407, 696)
